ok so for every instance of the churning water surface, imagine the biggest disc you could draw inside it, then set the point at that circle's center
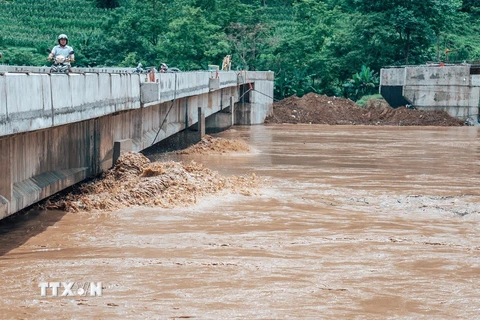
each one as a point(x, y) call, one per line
point(349, 222)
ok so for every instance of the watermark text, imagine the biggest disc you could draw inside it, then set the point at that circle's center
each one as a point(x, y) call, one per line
point(70, 289)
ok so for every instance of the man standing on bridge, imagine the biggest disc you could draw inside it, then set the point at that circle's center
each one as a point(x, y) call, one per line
point(63, 49)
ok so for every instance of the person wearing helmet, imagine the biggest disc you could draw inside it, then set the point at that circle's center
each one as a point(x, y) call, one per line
point(163, 67)
point(63, 49)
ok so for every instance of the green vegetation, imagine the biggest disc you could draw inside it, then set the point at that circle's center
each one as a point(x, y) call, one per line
point(362, 101)
point(329, 47)
point(30, 27)
point(362, 83)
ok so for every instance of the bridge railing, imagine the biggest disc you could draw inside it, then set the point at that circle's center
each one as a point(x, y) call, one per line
point(46, 69)
point(33, 101)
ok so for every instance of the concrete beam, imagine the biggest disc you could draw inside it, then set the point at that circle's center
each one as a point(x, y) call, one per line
point(392, 77)
point(6, 176)
point(150, 92)
point(26, 101)
point(4, 123)
point(222, 120)
point(228, 79)
point(441, 96)
point(243, 113)
point(31, 190)
point(214, 84)
point(437, 76)
point(253, 76)
point(232, 109)
point(201, 122)
point(218, 122)
point(261, 99)
point(4, 210)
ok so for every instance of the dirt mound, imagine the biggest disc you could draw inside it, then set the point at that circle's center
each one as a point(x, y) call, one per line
point(209, 145)
point(321, 109)
point(135, 181)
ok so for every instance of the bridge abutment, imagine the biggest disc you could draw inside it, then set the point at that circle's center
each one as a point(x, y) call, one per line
point(451, 88)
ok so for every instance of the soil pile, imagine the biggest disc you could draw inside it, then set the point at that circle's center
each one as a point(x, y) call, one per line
point(135, 181)
point(321, 109)
point(209, 145)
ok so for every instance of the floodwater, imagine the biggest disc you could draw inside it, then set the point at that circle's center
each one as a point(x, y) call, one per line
point(351, 222)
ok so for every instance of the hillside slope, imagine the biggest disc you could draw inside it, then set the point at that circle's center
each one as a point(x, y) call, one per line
point(29, 27)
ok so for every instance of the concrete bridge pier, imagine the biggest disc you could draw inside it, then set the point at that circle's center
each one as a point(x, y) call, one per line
point(6, 177)
point(221, 120)
point(201, 122)
point(254, 102)
point(192, 134)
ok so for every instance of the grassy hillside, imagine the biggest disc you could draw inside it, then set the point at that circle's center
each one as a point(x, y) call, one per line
point(29, 27)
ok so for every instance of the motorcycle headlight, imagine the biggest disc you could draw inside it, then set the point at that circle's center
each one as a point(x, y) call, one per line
point(59, 59)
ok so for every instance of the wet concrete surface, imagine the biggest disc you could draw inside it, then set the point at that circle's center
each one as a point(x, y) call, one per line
point(351, 222)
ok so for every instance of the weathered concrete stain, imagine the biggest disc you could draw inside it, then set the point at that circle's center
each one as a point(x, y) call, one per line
point(418, 77)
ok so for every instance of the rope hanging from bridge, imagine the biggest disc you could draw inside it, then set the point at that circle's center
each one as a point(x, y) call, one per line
point(171, 106)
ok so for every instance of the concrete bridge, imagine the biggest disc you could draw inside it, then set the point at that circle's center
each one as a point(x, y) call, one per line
point(57, 130)
point(452, 88)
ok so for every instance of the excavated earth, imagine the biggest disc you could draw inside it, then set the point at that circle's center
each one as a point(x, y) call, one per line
point(321, 109)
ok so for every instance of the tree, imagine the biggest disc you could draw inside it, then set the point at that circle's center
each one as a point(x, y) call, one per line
point(107, 4)
point(442, 19)
point(247, 41)
point(192, 42)
point(471, 6)
point(301, 51)
point(415, 22)
point(362, 83)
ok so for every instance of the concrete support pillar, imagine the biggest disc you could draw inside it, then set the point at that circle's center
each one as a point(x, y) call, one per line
point(186, 114)
point(120, 147)
point(243, 113)
point(5, 177)
point(222, 120)
point(201, 122)
point(232, 109)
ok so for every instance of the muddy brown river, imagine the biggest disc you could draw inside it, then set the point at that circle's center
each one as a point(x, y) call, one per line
point(351, 222)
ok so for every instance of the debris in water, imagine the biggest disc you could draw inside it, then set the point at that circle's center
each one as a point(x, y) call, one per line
point(135, 181)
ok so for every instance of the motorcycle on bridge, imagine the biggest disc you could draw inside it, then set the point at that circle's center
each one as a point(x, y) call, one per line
point(60, 65)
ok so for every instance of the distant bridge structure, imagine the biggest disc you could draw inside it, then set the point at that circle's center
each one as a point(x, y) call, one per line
point(452, 88)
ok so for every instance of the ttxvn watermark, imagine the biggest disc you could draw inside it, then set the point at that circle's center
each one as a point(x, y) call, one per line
point(70, 289)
